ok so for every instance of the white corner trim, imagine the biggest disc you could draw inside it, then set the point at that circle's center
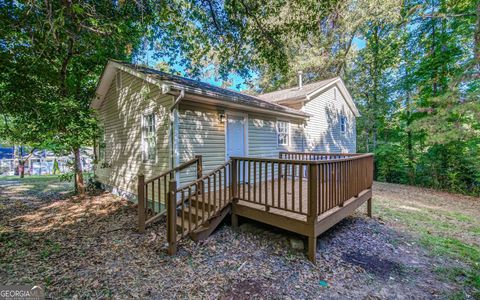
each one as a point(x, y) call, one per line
point(176, 142)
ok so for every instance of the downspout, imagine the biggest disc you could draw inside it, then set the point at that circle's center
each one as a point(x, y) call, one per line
point(173, 133)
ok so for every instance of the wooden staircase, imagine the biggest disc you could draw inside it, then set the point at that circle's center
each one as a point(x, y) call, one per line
point(206, 228)
point(197, 208)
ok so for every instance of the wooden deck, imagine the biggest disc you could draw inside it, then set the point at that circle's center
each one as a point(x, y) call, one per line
point(306, 193)
point(296, 222)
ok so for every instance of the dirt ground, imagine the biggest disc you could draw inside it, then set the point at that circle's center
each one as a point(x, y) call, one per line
point(89, 248)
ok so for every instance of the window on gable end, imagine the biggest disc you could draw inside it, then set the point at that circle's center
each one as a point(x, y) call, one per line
point(343, 124)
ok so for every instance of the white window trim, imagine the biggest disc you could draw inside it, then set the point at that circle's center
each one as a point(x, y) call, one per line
point(144, 146)
point(288, 133)
point(118, 81)
point(102, 140)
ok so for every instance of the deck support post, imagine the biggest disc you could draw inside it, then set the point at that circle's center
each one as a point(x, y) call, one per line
point(312, 210)
point(234, 179)
point(312, 248)
point(199, 173)
point(369, 207)
point(172, 218)
point(141, 203)
point(234, 192)
point(234, 220)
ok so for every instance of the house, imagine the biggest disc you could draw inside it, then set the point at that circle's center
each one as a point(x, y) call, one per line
point(6, 152)
point(197, 153)
point(153, 121)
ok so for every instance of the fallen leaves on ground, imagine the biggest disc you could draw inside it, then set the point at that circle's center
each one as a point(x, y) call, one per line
point(89, 248)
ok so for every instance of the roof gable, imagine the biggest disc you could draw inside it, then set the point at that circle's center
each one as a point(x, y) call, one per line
point(295, 92)
point(308, 91)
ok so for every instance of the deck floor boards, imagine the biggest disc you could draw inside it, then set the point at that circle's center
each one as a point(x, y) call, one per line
point(279, 202)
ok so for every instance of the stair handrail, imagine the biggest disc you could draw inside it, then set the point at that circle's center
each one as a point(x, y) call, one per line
point(204, 176)
point(177, 168)
point(142, 190)
point(175, 205)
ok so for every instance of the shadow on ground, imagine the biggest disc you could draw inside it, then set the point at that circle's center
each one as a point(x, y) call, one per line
point(89, 248)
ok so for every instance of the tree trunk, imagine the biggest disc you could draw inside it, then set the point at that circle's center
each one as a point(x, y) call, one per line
point(21, 168)
point(22, 162)
point(411, 157)
point(477, 41)
point(79, 186)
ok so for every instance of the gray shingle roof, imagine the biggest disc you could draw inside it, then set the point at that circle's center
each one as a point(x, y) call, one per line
point(295, 92)
point(224, 94)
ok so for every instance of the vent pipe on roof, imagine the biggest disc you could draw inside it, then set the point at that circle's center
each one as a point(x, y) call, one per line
point(300, 83)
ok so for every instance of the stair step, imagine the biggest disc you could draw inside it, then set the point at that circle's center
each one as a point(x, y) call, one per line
point(185, 224)
point(196, 213)
point(202, 205)
point(205, 230)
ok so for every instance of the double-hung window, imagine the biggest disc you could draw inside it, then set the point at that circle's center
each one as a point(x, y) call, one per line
point(343, 124)
point(283, 133)
point(149, 142)
point(101, 147)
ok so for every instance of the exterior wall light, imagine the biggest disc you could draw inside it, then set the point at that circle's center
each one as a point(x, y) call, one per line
point(222, 118)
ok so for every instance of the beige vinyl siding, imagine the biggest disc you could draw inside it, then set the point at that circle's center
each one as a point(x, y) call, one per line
point(121, 117)
point(262, 139)
point(200, 132)
point(322, 130)
point(262, 136)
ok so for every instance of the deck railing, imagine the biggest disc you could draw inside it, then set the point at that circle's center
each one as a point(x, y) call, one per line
point(273, 183)
point(307, 184)
point(153, 193)
point(338, 180)
point(299, 185)
point(314, 155)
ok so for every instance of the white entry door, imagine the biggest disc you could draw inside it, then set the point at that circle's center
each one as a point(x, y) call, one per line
point(235, 135)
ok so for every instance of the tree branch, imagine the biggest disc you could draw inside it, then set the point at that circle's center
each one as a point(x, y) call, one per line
point(94, 30)
point(259, 24)
point(214, 18)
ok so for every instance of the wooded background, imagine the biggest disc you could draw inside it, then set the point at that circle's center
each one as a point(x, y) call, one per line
point(413, 68)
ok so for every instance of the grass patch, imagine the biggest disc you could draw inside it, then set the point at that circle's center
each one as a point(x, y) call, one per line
point(34, 184)
point(451, 247)
point(50, 249)
point(442, 232)
point(461, 251)
point(28, 178)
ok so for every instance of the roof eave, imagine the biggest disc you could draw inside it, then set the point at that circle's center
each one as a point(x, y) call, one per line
point(104, 84)
point(214, 98)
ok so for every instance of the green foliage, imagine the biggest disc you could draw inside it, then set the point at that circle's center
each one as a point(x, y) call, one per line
point(51, 56)
point(420, 105)
point(390, 163)
point(416, 80)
